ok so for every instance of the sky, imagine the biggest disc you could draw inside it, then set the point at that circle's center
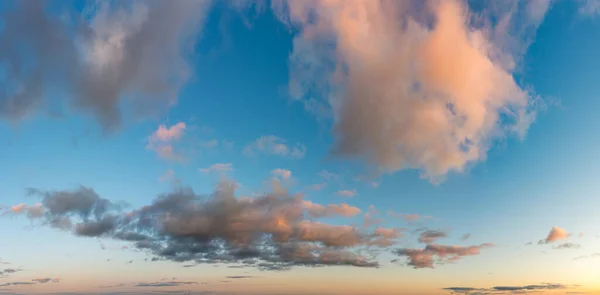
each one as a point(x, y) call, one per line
point(299, 147)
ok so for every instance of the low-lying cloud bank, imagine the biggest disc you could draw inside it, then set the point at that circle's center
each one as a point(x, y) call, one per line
point(509, 289)
point(275, 231)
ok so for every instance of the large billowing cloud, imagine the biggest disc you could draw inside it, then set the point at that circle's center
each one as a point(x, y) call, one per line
point(424, 85)
point(133, 53)
point(274, 231)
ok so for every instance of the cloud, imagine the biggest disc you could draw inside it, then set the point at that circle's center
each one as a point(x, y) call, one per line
point(567, 246)
point(168, 176)
point(317, 210)
point(163, 139)
point(430, 236)
point(94, 57)
point(465, 237)
point(165, 284)
point(46, 280)
point(387, 73)
point(555, 234)
point(589, 8)
point(508, 289)
point(317, 187)
point(61, 207)
point(32, 282)
point(370, 218)
point(220, 168)
point(240, 277)
point(271, 232)
point(438, 254)
point(33, 211)
point(587, 256)
point(9, 271)
point(329, 176)
point(273, 145)
point(347, 193)
point(410, 218)
point(282, 173)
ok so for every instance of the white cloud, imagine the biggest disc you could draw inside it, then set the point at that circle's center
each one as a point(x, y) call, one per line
point(274, 145)
point(220, 168)
point(347, 193)
point(282, 173)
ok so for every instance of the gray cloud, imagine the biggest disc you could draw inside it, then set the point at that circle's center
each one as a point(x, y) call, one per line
point(32, 282)
point(567, 246)
point(270, 232)
point(45, 280)
point(587, 256)
point(9, 271)
point(430, 236)
point(438, 254)
point(240, 277)
point(508, 289)
point(95, 58)
point(165, 284)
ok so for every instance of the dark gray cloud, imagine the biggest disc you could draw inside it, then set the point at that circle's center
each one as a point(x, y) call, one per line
point(508, 289)
point(32, 282)
point(95, 59)
point(8, 271)
point(45, 280)
point(438, 254)
point(274, 231)
point(165, 284)
point(16, 284)
point(240, 277)
point(430, 236)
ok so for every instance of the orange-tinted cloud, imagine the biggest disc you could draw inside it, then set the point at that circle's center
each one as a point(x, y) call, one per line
point(555, 234)
point(406, 92)
point(163, 139)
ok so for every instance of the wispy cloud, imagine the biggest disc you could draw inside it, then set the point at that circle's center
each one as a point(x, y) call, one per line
point(165, 284)
point(430, 236)
point(282, 173)
point(220, 168)
point(567, 246)
point(347, 193)
point(509, 289)
point(274, 145)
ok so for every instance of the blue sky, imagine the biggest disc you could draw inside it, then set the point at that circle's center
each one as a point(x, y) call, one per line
point(475, 121)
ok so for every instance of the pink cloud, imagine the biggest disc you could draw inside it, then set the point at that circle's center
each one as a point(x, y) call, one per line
point(405, 92)
point(347, 193)
point(162, 140)
point(317, 210)
point(438, 254)
point(555, 234)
